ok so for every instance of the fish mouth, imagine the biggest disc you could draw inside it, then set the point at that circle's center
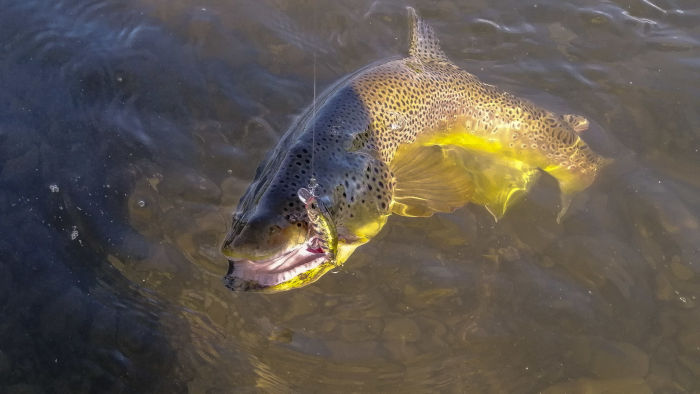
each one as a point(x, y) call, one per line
point(293, 268)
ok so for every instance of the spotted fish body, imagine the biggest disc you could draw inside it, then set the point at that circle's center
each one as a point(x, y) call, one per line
point(372, 145)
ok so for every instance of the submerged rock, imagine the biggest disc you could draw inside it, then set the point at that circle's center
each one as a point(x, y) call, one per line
point(611, 360)
point(604, 386)
point(619, 360)
point(5, 366)
point(401, 329)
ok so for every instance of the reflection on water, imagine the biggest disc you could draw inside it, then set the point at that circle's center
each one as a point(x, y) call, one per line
point(151, 116)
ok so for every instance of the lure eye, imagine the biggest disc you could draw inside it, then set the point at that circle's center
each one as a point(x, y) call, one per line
point(305, 195)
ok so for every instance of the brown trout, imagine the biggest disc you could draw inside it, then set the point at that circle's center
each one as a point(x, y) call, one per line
point(413, 137)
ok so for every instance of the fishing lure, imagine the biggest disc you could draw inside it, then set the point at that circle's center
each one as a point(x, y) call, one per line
point(321, 223)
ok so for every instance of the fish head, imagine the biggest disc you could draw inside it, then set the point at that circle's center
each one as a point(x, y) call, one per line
point(273, 246)
point(269, 242)
point(262, 234)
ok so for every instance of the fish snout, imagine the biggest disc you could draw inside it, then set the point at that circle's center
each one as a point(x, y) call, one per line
point(263, 239)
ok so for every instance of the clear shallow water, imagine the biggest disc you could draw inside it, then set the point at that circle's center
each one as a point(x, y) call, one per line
point(129, 130)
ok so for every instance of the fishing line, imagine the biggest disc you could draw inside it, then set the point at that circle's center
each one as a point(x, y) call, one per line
point(325, 236)
point(313, 183)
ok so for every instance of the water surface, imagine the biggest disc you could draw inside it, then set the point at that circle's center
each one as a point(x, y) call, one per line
point(130, 129)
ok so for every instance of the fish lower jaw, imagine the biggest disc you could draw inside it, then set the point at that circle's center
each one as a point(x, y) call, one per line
point(256, 275)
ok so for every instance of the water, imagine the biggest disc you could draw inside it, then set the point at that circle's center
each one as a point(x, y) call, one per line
point(129, 130)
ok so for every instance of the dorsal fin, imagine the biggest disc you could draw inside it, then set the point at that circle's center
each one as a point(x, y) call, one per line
point(425, 45)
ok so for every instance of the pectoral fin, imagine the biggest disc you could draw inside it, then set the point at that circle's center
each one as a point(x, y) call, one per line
point(429, 179)
point(432, 178)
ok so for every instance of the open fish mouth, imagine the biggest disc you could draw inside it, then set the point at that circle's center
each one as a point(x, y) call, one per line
point(290, 269)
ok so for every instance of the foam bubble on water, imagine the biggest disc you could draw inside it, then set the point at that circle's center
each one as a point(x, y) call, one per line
point(74, 234)
point(54, 188)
